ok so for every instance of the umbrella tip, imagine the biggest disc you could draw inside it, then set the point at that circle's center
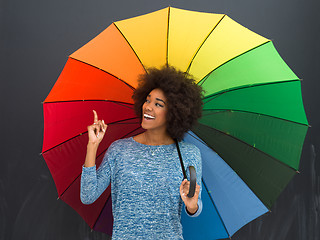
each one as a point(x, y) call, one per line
point(297, 172)
point(40, 154)
point(58, 198)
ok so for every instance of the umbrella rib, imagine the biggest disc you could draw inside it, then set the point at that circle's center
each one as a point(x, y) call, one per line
point(205, 77)
point(260, 114)
point(197, 138)
point(213, 203)
point(105, 72)
point(218, 94)
point(239, 140)
point(102, 152)
point(124, 104)
point(80, 134)
point(130, 46)
point(194, 56)
point(167, 53)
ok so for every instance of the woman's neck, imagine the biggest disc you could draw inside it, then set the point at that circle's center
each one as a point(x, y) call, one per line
point(153, 138)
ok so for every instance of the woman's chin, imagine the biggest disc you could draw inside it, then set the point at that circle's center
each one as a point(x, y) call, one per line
point(145, 125)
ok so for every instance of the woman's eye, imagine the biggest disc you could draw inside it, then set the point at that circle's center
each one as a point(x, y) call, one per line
point(158, 105)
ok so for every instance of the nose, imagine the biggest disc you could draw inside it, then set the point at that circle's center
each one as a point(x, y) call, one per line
point(147, 106)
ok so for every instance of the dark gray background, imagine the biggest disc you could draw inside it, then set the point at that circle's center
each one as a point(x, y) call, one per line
point(36, 38)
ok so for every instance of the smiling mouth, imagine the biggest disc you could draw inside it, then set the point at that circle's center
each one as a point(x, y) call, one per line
point(148, 117)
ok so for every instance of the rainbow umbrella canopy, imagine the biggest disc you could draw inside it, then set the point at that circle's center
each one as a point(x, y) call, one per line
point(250, 135)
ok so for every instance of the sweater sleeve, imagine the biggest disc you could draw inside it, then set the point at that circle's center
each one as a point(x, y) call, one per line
point(94, 182)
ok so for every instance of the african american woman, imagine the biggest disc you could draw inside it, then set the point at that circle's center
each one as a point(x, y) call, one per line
point(148, 189)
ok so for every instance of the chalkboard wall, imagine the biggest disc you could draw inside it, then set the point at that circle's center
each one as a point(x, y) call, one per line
point(36, 38)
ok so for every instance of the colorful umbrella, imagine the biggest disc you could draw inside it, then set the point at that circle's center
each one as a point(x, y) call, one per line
point(251, 133)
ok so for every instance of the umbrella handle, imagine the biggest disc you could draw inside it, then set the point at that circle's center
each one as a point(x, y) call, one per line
point(193, 181)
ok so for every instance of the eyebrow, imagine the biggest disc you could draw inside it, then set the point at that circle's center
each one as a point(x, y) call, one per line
point(158, 99)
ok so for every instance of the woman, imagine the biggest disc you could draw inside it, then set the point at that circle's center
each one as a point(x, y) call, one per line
point(147, 185)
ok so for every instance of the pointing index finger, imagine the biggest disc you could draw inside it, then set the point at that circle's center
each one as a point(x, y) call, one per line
point(95, 116)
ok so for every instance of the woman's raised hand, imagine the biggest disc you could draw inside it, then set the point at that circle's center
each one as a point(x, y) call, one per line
point(97, 130)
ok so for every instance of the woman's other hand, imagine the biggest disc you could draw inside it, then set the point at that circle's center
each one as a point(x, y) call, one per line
point(191, 203)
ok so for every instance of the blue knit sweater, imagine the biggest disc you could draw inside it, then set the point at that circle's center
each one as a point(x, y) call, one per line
point(145, 182)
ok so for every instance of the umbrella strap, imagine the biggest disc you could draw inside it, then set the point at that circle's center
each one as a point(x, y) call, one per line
point(180, 157)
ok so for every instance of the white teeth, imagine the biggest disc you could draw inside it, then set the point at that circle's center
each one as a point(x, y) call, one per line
point(148, 116)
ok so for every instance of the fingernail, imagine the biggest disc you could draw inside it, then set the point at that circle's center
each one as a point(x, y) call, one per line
point(97, 135)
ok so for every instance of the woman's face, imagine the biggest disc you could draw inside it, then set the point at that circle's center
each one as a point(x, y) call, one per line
point(154, 111)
